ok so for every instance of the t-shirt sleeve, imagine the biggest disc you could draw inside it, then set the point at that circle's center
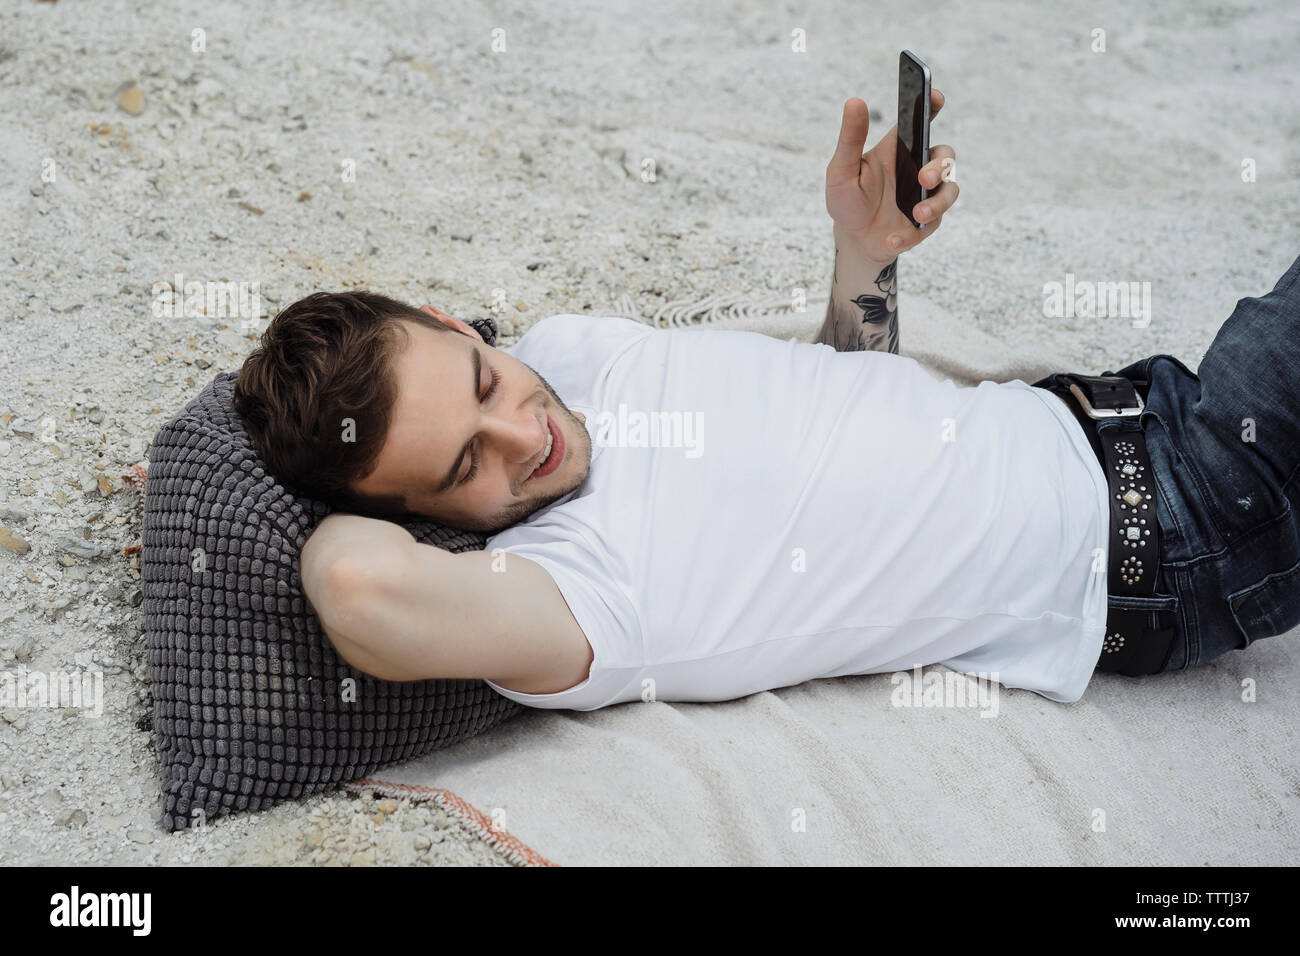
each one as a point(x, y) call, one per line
point(573, 352)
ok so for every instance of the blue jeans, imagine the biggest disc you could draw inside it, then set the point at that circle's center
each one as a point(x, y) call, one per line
point(1225, 450)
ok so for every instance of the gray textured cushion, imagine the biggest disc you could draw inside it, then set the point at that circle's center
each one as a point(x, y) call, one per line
point(250, 704)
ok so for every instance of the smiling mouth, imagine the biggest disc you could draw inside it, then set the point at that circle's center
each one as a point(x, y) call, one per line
point(553, 454)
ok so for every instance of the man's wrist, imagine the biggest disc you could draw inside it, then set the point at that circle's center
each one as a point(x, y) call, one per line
point(859, 249)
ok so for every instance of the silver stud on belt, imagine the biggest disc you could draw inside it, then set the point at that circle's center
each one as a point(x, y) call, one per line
point(1113, 643)
point(1134, 535)
point(1135, 496)
point(1129, 467)
point(1130, 569)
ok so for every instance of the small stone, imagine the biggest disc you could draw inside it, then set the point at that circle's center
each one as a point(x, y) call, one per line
point(363, 858)
point(9, 783)
point(132, 100)
point(13, 542)
point(422, 841)
point(139, 836)
point(5, 448)
point(521, 305)
point(10, 714)
point(66, 561)
point(70, 818)
point(315, 837)
point(386, 806)
point(80, 547)
point(105, 486)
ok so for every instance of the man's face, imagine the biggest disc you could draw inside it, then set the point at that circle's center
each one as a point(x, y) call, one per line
point(452, 414)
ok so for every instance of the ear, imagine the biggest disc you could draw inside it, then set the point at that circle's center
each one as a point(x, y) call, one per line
point(450, 322)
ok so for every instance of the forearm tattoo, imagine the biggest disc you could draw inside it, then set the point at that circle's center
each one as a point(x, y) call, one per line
point(865, 322)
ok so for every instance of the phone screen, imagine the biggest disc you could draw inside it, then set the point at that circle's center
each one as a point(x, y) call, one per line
point(913, 132)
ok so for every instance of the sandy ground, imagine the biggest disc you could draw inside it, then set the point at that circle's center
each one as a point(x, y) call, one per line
point(509, 180)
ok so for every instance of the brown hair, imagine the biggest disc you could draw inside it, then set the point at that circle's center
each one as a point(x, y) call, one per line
point(326, 358)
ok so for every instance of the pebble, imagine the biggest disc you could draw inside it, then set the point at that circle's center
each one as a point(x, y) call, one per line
point(70, 818)
point(19, 646)
point(131, 100)
point(5, 448)
point(139, 836)
point(13, 542)
point(79, 546)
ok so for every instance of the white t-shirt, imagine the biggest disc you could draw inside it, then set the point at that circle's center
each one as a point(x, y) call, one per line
point(812, 513)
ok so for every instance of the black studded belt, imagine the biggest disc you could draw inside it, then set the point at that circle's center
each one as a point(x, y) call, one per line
point(1132, 645)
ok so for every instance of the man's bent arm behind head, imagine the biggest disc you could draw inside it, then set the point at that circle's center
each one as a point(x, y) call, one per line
point(400, 610)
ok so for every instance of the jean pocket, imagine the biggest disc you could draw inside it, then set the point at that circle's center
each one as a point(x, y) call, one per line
point(1155, 602)
point(1269, 607)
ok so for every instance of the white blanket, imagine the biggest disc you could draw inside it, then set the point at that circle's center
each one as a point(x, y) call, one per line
point(1172, 769)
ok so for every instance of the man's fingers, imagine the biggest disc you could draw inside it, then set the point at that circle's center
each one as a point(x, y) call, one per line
point(853, 136)
point(938, 176)
point(931, 208)
point(942, 166)
point(936, 102)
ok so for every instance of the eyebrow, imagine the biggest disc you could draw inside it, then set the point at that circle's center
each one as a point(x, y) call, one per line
point(476, 363)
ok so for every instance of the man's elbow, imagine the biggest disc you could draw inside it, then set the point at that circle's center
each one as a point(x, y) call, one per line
point(348, 618)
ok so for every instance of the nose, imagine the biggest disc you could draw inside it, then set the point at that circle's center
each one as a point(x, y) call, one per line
point(519, 435)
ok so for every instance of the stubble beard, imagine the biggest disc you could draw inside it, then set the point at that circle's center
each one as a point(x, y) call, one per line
point(576, 433)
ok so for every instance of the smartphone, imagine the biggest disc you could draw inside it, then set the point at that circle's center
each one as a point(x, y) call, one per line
point(913, 133)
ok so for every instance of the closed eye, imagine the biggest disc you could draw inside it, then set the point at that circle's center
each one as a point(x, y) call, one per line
point(474, 457)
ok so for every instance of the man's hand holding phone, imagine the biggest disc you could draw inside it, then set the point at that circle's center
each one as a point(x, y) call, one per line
point(860, 188)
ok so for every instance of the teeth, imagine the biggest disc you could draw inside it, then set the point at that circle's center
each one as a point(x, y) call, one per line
point(550, 441)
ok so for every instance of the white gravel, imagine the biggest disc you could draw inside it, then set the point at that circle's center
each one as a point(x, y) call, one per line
point(511, 181)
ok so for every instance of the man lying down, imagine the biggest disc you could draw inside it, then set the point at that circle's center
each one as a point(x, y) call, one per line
point(698, 515)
